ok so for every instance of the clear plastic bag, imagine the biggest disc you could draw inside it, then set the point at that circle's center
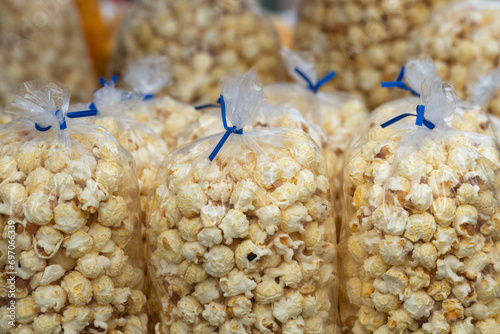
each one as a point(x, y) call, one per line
point(339, 114)
point(148, 149)
point(43, 40)
point(204, 39)
point(247, 242)
point(419, 249)
point(366, 41)
point(463, 40)
point(70, 222)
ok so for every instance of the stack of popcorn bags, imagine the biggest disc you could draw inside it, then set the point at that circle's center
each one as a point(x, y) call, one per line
point(70, 220)
point(240, 231)
point(285, 208)
point(205, 39)
point(43, 40)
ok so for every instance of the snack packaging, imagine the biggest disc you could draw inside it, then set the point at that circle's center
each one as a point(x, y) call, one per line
point(241, 231)
point(419, 248)
point(204, 40)
point(339, 114)
point(70, 222)
point(115, 113)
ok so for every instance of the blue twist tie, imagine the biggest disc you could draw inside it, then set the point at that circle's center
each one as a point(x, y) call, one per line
point(420, 119)
point(399, 83)
point(103, 81)
point(315, 87)
point(74, 114)
point(148, 97)
point(229, 130)
point(206, 106)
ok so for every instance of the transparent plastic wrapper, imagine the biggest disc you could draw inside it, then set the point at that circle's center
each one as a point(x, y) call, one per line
point(43, 40)
point(204, 39)
point(420, 248)
point(339, 114)
point(164, 115)
point(148, 149)
point(245, 242)
point(463, 40)
point(486, 92)
point(69, 217)
point(467, 116)
point(365, 40)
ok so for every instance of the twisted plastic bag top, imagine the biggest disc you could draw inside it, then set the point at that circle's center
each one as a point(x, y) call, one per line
point(417, 71)
point(486, 87)
point(111, 101)
point(304, 61)
point(40, 102)
point(148, 76)
point(243, 98)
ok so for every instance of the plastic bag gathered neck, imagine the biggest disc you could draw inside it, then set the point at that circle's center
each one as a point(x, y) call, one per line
point(109, 99)
point(241, 99)
point(438, 102)
point(148, 76)
point(486, 87)
point(47, 104)
point(415, 72)
point(302, 68)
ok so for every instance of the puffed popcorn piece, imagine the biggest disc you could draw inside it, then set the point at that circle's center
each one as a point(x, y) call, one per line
point(448, 267)
point(237, 283)
point(103, 290)
point(419, 304)
point(190, 200)
point(207, 291)
point(243, 195)
point(49, 297)
point(77, 287)
point(78, 244)
point(68, 217)
point(92, 265)
point(296, 326)
point(219, 261)
point(188, 308)
point(439, 290)
point(37, 209)
point(26, 310)
point(234, 225)
point(48, 240)
point(425, 254)
point(47, 323)
point(211, 236)
point(268, 291)
point(214, 313)
point(13, 195)
point(248, 254)
point(269, 218)
point(211, 215)
point(420, 227)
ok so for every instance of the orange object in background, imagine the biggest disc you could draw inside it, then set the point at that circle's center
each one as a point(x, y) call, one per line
point(97, 34)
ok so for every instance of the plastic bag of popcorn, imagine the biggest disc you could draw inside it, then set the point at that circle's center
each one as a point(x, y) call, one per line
point(419, 252)
point(43, 40)
point(164, 115)
point(241, 232)
point(367, 40)
point(467, 116)
point(69, 217)
point(339, 114)
point(204, 39)
point(115, 113)
point(463, 40)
